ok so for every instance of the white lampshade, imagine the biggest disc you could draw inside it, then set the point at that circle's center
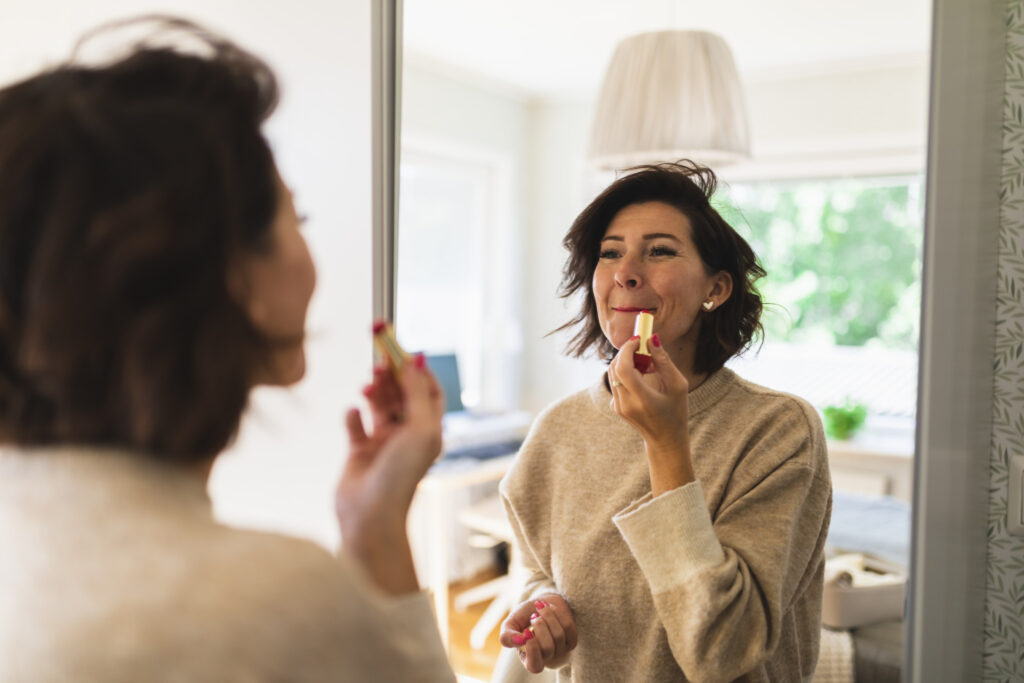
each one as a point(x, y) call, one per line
point(670, 95)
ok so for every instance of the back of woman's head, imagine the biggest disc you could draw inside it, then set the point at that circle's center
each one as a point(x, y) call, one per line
point(126, 191)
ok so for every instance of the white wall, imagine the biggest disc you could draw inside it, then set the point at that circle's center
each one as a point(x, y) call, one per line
point(281, 473)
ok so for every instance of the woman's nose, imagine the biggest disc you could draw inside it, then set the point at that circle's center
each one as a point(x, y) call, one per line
point(628, 274)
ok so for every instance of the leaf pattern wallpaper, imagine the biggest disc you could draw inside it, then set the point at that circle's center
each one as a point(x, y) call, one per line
point(1004, 611)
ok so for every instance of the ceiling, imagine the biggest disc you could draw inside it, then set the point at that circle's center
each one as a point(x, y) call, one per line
point(551, 48)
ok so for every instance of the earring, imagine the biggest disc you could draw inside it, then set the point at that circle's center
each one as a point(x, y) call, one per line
point(708, 305)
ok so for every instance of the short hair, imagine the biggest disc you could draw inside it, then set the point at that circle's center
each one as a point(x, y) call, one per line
point(688, 187)
point(126, 190)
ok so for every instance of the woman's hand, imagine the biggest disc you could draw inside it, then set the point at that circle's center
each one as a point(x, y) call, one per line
point(542, 630)
point(656, 403)
point(383, 468)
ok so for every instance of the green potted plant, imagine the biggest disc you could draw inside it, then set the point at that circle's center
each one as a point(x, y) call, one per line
point(842, 422)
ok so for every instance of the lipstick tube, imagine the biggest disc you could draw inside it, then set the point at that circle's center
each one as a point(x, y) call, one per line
point(387, 346)
point(643, 328)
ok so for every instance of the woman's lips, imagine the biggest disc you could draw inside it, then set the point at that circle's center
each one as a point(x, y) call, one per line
point(631, 309)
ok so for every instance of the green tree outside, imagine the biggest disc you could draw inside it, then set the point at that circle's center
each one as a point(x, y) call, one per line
point(843, 257)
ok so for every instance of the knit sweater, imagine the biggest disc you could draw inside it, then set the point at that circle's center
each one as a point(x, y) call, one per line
point(113, 569)
point(718, 580)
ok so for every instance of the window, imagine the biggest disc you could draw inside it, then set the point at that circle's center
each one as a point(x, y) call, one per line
point(452, 293)
point(844, 278)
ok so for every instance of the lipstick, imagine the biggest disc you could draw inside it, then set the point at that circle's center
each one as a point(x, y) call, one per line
point(643, 328)
point(387, 346)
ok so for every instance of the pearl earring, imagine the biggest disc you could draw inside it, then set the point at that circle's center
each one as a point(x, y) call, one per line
point(708, 305)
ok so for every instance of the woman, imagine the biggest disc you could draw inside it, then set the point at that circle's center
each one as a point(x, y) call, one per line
point(152, 273)
point(674, 522)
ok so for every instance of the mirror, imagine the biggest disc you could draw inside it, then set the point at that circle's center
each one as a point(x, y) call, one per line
point(496, 111)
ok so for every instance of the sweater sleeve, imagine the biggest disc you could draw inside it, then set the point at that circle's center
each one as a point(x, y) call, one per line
point(537, 580)
point(722, 591)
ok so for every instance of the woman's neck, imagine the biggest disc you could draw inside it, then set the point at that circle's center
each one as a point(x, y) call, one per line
point(684, 358)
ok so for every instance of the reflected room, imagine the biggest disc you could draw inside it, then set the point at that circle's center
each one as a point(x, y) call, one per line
point(501, 148)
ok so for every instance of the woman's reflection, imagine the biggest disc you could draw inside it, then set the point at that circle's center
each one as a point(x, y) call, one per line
point(673, 522)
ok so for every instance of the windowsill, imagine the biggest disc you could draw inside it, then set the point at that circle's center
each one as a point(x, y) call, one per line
point(878, 461)
point(869, 445)
point(881, 437)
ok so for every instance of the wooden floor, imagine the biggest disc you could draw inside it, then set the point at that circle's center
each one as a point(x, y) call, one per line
point(466, 661)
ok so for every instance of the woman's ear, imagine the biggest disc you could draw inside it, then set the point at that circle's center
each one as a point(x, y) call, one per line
point(721, 288)
point(239, 283)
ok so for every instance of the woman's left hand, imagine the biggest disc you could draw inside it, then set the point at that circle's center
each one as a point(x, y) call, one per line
point(656, 404)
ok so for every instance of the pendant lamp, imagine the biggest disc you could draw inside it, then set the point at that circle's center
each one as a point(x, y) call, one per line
point(670, 95)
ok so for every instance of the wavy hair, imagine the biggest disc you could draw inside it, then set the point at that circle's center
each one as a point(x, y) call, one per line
point(687, 186)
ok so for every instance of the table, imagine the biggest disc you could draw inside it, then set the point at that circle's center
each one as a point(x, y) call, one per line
point(432, 520)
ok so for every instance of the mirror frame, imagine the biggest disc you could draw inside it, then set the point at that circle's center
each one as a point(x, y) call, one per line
point(946, 593)
point(386, 94)
point(948, 568)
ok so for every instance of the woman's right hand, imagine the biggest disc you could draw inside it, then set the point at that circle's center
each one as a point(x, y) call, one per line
point(383, 468)
point(543, 631)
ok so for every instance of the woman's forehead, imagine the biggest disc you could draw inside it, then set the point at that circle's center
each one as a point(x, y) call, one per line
point(649, 220)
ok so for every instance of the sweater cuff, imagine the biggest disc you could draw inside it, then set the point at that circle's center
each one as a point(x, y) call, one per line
point(678, 520)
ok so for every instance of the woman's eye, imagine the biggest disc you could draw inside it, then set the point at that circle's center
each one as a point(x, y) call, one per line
point(609, 253)
point(663, 251)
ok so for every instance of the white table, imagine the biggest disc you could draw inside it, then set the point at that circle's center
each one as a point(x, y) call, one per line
point(432, 518)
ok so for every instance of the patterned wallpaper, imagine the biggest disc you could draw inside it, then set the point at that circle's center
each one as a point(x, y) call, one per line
point(1004, 611)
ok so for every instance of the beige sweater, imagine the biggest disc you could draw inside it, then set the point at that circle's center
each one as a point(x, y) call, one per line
point(718, 580)
point(112, 569)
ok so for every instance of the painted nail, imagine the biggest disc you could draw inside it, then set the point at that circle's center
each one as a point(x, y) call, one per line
point(655, 340)
point(635, 336)
point(518, 639)
point(420, 361)
point(540, 604)
point(528, 634)
point(535, 618)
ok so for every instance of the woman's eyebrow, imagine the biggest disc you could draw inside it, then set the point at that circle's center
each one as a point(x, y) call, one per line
point(648, 236)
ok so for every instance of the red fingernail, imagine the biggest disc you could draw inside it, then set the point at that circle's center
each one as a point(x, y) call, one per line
point(635, 336)
point(420, 361)
point(540, 604)
point(518, 639)
point(655, 340)
point(528, 634)
point(534, 616)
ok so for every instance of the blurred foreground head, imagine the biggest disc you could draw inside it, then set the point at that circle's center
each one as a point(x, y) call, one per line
point(128, 189)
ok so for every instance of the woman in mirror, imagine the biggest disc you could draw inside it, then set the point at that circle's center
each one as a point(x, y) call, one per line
point(674, 520)
point(152, 273)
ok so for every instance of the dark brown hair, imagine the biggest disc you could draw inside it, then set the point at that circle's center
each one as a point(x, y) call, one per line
point(688, 187)
point(126, 190)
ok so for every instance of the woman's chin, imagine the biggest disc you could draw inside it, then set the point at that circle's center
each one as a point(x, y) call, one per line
point(618, 337)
